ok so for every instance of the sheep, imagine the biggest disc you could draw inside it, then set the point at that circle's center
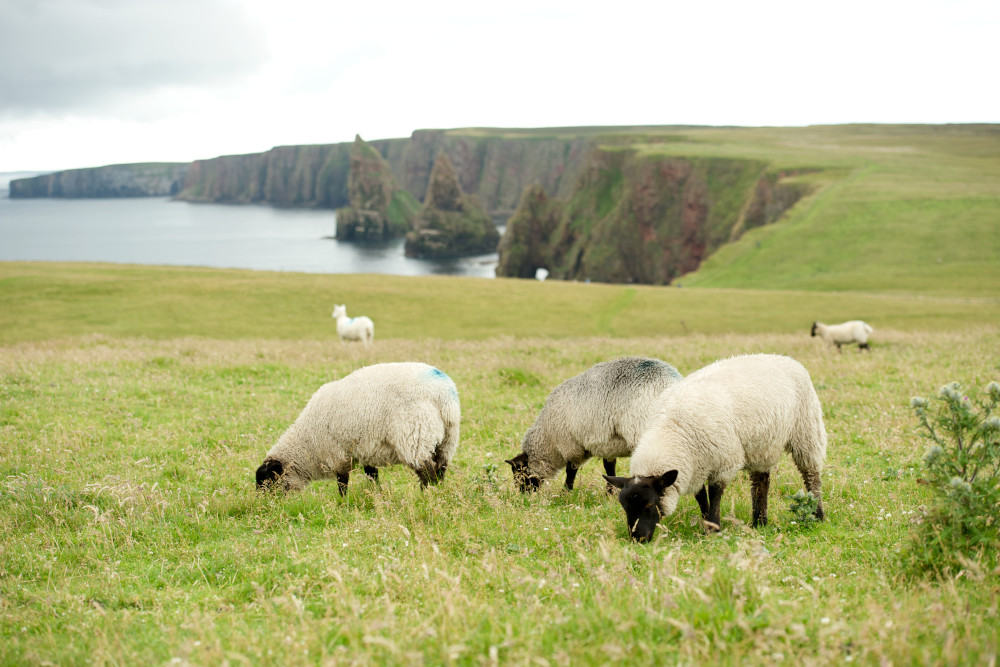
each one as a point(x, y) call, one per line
point(600, 412)
point(854, 331)
point(735, 414)
point(353, 328)
point(378, 415)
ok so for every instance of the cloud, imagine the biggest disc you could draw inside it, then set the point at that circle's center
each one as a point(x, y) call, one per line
point(88, 56)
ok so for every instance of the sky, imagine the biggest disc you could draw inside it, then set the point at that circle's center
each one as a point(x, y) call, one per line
point(93, 82)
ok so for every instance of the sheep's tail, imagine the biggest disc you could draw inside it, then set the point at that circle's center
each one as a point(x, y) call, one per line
point(808, 446)
point(868, 328)
point(449, 443)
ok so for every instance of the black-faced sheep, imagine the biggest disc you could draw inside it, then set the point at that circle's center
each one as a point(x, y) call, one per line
point(600, 412)
point(847, 333)
point(739, 413)
point(377, 416)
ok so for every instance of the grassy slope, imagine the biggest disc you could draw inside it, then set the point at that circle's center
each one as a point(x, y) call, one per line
point(136, 402)
point(40, 301)
point(903, 209)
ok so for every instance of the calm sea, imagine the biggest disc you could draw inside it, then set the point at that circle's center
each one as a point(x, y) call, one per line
point(160, 231)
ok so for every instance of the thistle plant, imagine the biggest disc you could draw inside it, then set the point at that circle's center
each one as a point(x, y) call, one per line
point(803, 506)
point(962, 466)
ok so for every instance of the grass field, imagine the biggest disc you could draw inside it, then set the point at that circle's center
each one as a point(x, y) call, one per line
point(136, 403)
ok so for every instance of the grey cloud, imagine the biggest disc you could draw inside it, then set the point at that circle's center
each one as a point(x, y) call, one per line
point(78, 55)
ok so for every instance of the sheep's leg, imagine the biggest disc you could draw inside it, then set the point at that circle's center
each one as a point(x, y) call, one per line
point(814, 486)
point(715, 491)
point(440, 464)
point(342, 478)
point(427, 474)
point(609, 468)
point(760, 482)
point(702, 498)
point(571, 469)
point(838, 347)
point(372, 473)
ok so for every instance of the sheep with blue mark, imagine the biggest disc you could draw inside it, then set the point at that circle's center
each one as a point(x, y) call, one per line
point(353, 328)
point(380, 415)
point(737, 414)
point(600, 412)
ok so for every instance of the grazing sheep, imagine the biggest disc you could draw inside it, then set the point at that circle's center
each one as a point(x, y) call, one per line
point(376, 416)
point(353, 328)
point(854, 331)
point(739, 413)
point(600, 412)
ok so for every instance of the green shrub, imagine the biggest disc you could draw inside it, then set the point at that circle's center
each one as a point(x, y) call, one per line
point(961, 466)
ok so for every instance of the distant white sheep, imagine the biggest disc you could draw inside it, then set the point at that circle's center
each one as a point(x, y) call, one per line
point(854, 331)
point(600, 412)
point(379, 415)
point(738, 413)
point(353, 328)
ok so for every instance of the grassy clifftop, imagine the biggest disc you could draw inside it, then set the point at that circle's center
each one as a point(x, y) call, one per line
point(895, 209)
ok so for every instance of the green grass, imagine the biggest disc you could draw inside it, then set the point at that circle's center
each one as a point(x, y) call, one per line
point(900, 209)
point(136, 403)
point(40, 301)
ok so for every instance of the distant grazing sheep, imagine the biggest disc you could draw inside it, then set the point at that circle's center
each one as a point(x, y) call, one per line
point(377, 416)
point(739, 413)
point(600, 412)
point(854, 331)
point(353, 328)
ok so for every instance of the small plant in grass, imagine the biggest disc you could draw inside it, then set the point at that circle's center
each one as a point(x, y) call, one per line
point(488, 478)
point(803, 506)
point(962, 466)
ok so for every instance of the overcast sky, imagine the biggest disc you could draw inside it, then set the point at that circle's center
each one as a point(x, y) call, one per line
point(94, 82)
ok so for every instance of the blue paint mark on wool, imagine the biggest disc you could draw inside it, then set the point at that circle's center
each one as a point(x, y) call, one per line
point(435, 374)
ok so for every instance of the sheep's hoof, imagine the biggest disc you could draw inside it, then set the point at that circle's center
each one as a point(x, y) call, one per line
point(710, 526)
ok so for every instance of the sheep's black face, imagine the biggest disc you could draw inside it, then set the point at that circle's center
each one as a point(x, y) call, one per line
point(522, 475)
point(813, 332)
point(269, 474)
point(640, 498)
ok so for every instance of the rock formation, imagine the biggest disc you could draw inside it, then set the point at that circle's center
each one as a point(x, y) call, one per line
point(379, 209)
point(524, 246)
point(636, 217)
point(451, 223)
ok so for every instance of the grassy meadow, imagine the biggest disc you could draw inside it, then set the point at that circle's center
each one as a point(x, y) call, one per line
point(136, 403)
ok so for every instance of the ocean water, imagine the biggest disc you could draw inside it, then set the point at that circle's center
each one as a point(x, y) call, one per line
point(153, 230)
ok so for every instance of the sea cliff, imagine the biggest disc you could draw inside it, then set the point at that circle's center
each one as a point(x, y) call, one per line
point(120, 180)
point(636, 217)
point(494, 168)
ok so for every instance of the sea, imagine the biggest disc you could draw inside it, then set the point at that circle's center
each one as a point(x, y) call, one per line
point(154, 230)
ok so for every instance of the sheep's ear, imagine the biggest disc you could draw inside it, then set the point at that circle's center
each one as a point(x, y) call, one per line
point(269, 471)
point(518, 461)
point(617, 482)
point(663, 481)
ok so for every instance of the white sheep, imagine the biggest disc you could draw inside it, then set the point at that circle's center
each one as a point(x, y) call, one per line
point(738, 413)
point(854, 331)
point(379, 415)
point(353, 328)
point(600, 412)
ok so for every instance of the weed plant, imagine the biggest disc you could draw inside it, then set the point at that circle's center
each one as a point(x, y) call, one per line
point(962, 463)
